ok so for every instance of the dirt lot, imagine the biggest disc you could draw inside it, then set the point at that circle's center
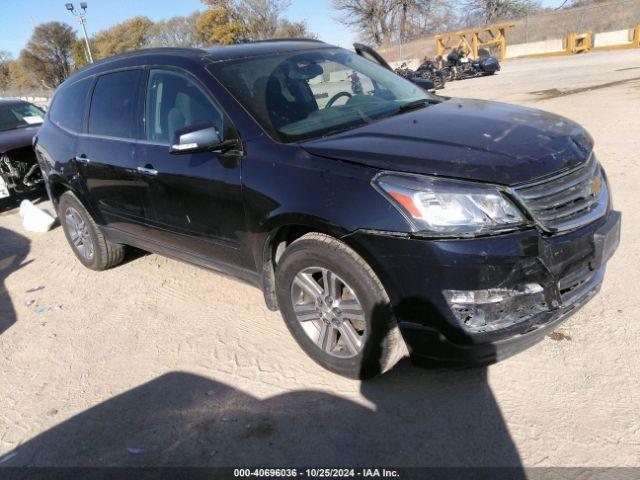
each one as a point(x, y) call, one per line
point(158, 362)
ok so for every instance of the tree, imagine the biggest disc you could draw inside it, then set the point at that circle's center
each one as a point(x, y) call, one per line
point(79, 54)
point(5, 73)
point(263, 19)
point(260, 17)
point(48, 53)
point(131, 34)
point(491, 11)
point(582, 3)
point(220, 24)
point(176, 32)
point(374, 19)
point(289, 29)
point(383, 22)
point(234, 21)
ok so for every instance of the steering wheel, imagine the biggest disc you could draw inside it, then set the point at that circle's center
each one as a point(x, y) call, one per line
point(336, 97)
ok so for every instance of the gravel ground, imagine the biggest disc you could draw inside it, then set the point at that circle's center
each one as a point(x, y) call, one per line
point(159, 363)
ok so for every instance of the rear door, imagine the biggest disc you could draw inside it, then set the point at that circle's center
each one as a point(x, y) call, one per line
point(195, 197)
point(106, 153)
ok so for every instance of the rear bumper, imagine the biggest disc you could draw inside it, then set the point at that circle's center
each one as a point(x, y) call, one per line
point(416, 273)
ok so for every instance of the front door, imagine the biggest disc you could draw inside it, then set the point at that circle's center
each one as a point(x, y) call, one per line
point(195, 197)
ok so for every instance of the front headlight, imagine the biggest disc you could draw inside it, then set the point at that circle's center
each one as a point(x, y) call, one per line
point(443, 208)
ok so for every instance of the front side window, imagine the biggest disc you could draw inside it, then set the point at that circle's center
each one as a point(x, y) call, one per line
point(113, 105)
point(19, 115)
point(175, 102)
point(298, 96)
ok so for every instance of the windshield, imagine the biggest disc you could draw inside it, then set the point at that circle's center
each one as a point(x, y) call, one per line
point(300, 96)
point(19, 115)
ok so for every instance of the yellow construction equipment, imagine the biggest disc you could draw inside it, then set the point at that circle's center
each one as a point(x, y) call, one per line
point(474, 39)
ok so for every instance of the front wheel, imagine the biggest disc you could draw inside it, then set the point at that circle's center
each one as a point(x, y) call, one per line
point(336, 308)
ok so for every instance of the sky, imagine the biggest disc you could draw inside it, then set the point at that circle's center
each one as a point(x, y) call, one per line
point(19, 16)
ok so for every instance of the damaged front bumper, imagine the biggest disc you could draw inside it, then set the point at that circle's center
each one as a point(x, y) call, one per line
point(477, 301)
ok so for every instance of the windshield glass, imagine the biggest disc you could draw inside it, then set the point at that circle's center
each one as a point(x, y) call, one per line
point(19, 115)
point(300, 96)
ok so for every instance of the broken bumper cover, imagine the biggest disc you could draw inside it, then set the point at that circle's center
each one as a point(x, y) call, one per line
point(552, 277)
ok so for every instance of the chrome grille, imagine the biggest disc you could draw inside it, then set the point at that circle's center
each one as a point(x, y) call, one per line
point(567, 201)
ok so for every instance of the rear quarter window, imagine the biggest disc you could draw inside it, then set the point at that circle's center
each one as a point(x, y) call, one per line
point(69, 105)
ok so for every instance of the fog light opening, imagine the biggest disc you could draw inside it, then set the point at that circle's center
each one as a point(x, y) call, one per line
point(496, 308)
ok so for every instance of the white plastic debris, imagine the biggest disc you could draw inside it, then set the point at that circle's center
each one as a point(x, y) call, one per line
point(34, 219)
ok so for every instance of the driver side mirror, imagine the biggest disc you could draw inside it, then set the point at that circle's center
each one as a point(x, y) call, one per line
point(199, 139)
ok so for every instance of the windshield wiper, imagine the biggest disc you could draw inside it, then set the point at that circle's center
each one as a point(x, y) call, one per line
point(416, 104)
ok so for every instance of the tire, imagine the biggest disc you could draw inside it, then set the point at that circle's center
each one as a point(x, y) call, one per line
point(105, 254)
point(8, 202)
point(380, 344)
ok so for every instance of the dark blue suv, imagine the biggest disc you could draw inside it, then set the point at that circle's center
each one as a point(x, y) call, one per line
point(376, 219)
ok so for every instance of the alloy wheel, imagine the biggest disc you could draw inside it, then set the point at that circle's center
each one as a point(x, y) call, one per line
point(79, 233)
point(329, 312)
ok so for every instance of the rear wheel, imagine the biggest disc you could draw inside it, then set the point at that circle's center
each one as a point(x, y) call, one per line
point(336, 308)
point(84, 236)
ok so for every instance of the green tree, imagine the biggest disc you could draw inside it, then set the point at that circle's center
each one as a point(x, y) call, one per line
point(79, 53)
point(131, 34)
point(48, 54)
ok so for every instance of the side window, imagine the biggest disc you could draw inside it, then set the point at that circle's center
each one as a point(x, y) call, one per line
point(113, 105)
point(70, 104)
point(174, 102)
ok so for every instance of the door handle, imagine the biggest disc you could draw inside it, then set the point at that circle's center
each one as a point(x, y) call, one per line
point(147, 171)
point(82, 160)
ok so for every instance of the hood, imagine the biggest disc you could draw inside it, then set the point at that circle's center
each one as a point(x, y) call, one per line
point(468, 139)
point(20, 137)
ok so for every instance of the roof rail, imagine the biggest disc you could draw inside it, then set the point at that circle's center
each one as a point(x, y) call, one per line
point(292, 39)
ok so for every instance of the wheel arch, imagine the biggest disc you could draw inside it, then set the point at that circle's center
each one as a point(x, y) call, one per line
point(58, 186)
point(286, 232)
point(281, 233)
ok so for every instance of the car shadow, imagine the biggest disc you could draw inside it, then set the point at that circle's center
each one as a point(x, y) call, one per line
point(416, 417)
point(14, 248)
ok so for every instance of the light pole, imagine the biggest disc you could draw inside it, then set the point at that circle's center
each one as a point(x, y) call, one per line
point(82, 18)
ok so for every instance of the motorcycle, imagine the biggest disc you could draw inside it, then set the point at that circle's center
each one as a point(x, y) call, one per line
point(485, 64)
point(370, 54)
point(430, 69)
point(423, 77)
point(459, 67)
